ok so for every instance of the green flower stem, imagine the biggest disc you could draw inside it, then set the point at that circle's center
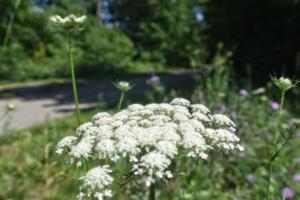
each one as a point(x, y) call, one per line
point(9, 28)
point(275, 151)
point(152, 192)
point(278, 119)
point(4, 115)
point(121, 101)
point(74, 83)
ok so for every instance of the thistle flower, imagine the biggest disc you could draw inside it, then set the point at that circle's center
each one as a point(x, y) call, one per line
point(149, 137)
point(296, 177)
point(70, 22)
point(244, 92)
point(287, 193)
point(274, 105)
point(153, 80)
point(250, 178)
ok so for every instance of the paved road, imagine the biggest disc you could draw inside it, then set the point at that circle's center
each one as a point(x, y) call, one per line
point(36, 104)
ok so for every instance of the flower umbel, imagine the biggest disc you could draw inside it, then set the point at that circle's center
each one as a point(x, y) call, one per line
point(149, 137)
point(70, 22)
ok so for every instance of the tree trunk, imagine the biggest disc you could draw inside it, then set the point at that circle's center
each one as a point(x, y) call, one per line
point(98, 13)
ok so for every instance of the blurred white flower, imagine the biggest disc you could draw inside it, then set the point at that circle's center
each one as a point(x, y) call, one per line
point(10, 107)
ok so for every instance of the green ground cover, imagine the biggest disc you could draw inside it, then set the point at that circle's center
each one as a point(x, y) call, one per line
point(29, 168)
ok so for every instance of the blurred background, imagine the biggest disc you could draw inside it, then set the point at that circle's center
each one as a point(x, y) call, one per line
point(219, 53)
point(129, 36)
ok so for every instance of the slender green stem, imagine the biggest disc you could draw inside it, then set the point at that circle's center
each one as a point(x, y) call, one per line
point(152, 192)
point(270, 171)
point(74, 82)
point(121, 100)
point(278, 119)
point(4, 114)
point(274, 150)
point(9, 28)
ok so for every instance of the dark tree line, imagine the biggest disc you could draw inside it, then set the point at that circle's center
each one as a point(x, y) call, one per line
point(263, 34)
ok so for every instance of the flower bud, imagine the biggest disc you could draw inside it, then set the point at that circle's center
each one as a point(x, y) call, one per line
point(10, 107)
point(123, 86)
point(284, 84)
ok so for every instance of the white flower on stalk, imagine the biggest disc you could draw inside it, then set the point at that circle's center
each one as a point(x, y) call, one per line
point(150, 137)
point(70, 22)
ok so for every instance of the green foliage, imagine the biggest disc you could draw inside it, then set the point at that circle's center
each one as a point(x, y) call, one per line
point(163, 31)
point(29, 168)
point(217, 78)
point(37, 51)
point(105, 49)
point(248, 28)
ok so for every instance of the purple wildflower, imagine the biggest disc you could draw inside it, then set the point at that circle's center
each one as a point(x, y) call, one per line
point(243, 92)
point(222, 109)
point(153, 79)
point(287, 192)
point(274, 105)
point(234, 115)
point(250, 178)
point(296, 177)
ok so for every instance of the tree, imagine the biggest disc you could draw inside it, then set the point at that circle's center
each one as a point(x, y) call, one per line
point(164, 31)
point(261, 33)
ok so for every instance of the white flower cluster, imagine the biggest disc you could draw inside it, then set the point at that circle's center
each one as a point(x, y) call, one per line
point(96, 182)
point(70, 22)
point(149, 137)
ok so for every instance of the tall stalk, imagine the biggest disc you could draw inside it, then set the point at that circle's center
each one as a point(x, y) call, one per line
point(123, 87)
point(9, 28)
point(4, 115)
point(74, 82)
point(152, 192)
point(275, 150)
point(121, 101)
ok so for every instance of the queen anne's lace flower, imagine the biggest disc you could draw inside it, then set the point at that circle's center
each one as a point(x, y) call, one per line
point(70, 22)
point(149, 137)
